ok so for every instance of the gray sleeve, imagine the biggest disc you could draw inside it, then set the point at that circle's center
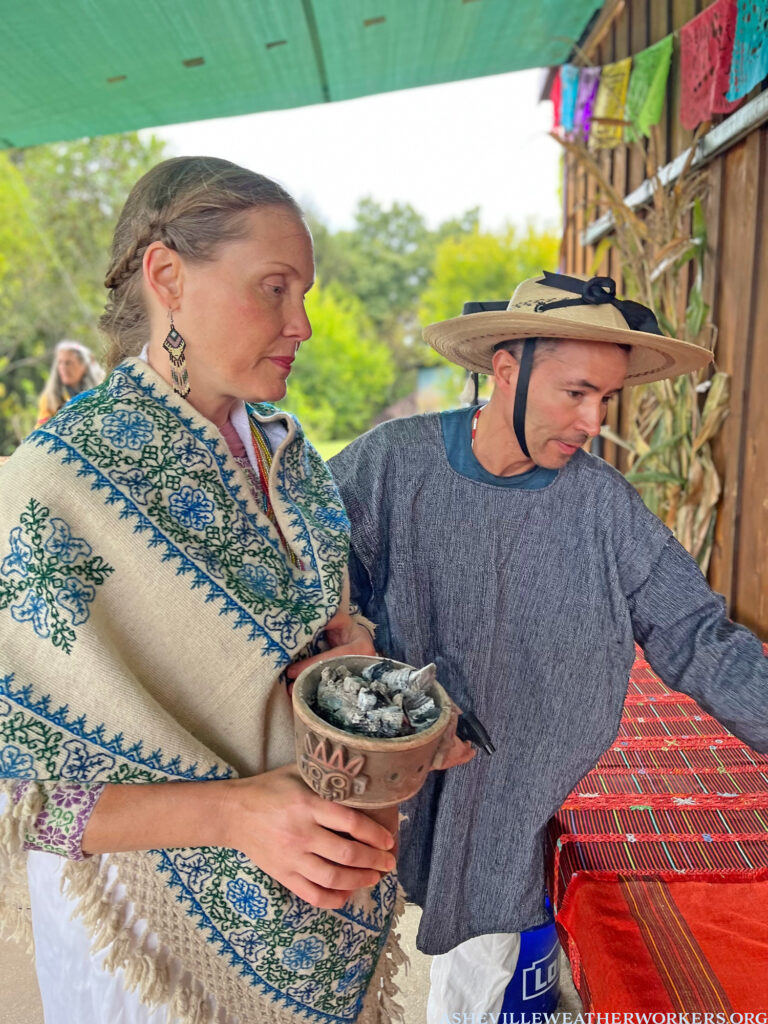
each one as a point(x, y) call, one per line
point(358, 473)
point(689, 641)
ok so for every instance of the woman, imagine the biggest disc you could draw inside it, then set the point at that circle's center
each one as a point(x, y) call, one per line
point(167, 551)
point(73, 371)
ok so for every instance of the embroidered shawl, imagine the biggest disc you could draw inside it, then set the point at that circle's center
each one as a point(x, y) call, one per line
point(147, 612)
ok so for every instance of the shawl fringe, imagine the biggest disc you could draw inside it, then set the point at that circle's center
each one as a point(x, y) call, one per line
point(148, 971)
point(15, 919)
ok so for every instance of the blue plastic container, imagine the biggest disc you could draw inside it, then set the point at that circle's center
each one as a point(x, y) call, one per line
point(535, 985)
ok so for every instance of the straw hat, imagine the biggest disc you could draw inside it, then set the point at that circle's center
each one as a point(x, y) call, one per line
point(571, 308)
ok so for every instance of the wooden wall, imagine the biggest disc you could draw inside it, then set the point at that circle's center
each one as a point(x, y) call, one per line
point(736, 288)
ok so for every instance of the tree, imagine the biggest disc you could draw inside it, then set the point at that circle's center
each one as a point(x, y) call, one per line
point(483, 265)
point(21, 275)
point(344, 375)
point(480, 266)
point(58, 207)
point(386, 261)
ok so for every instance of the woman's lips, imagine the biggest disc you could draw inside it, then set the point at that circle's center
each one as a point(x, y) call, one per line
point(284, 362)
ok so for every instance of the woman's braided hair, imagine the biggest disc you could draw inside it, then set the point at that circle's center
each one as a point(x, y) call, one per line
point(191, 204)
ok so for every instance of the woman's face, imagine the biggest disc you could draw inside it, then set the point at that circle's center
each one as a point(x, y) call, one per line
point(242, 314)
point(70, 367)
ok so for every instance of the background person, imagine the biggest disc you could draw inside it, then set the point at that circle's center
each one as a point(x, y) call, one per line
point(165, 552)
point(486, 540)
point(73, 370)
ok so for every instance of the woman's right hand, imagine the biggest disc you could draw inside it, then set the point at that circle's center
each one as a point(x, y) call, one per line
point(319, 849)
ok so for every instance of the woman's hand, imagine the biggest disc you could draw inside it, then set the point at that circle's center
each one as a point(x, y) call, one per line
point(320, 850)
point(345, 637)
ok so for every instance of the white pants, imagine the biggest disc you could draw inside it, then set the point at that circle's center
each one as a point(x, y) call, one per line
point(74, 987)
point(472, 977)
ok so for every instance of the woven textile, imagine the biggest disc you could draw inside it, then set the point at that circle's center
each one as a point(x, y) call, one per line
point(749, 63)
point(147, 611)
point(660, 863)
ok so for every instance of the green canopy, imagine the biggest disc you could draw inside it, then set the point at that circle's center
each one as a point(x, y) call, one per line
point(71, 68)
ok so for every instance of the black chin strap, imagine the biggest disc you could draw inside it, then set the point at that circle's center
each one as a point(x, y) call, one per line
point(521, 394)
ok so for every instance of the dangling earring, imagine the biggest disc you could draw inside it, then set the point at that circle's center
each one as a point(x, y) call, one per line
point(175, 345)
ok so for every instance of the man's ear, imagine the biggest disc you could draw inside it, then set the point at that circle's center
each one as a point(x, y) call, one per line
point(164, 274)
point(505, 371)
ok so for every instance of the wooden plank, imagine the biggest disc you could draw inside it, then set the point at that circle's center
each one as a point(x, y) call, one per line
point(750, 604)
point(621, 50)
point(658, 12)
point(740, 191)
point(639, 30)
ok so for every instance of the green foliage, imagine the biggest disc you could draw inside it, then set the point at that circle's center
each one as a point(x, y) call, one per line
point(482, 266)
point(58, 207)
point(343, 376)
point(381, 280)
point(386, 260)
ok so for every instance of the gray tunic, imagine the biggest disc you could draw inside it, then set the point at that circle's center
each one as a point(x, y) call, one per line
point(529, 603)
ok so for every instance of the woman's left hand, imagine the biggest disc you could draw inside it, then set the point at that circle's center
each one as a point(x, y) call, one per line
point(345, 637)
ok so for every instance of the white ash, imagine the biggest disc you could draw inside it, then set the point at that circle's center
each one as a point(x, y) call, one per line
point(383, 701)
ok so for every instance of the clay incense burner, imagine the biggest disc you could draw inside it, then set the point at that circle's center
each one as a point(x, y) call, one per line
point(365, 771)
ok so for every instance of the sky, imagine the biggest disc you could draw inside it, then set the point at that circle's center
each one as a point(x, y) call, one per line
point(441, 148)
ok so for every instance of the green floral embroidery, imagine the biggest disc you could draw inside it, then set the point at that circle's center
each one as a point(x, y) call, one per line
point(51, 576)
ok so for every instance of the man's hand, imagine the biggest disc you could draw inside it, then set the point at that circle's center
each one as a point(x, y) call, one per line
point(345, 637)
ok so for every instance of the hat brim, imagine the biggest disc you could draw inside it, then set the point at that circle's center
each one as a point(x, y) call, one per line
point(469, 341)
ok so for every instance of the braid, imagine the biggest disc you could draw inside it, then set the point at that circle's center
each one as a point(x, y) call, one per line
point(191, 204)
point(126, 267)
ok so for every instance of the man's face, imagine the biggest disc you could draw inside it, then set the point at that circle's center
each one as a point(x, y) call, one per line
point(568, 396)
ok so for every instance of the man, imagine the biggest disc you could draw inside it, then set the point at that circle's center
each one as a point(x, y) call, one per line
point(487, 541)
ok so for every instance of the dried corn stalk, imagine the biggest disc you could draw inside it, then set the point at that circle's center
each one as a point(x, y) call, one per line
point(672, 422)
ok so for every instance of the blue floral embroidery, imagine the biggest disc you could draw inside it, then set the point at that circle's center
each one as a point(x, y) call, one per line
point(246, 898)
point(283, 627)
point(135, 482)
point(190, 452)
point(350, 940)
point(304, 953)
point(306, 992)
point(62, 545)
point(75, 597)
point(14, 764)
point(249, 943)
point(355, 976)
point(208, 558)
point(33, 609)
point(127, 429)
point(192, 508)
point(333, 518)
point(299, 913)
point(260, 579)
point(20, 556)
point(194, 869)
point(80, 766)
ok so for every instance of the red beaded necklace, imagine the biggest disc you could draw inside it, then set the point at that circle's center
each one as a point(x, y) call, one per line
point(475, 421)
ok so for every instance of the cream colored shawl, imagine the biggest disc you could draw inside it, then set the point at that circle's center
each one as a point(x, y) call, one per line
point(147, 612)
